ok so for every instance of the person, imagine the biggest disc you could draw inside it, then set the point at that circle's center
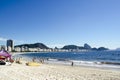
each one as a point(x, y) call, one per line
point(18, 61)
point(42, 61)
point(2, 62)
point(72, 64)
point(33, 59)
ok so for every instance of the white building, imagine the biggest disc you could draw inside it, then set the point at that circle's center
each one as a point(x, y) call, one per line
point(9, 48)
point(17, 49)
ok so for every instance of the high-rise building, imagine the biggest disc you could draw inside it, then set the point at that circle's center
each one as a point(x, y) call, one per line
point(10, 45)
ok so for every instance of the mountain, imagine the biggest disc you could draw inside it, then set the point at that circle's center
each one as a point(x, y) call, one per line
point(43, 46)
point(72, 47)
point(94, 49)
point(86, 46)
point(118, 49)
point(35, 45)
point(102, 49)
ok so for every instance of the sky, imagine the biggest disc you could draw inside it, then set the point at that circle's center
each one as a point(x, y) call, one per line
point(61, 22)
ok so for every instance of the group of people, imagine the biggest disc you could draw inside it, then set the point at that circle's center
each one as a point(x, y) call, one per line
point(40, 60)
point(34, 59)
point(5, 61)
point(5, 57)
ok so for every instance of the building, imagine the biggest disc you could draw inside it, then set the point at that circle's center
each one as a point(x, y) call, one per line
point(10, 45)
point(3, 47)
point(17, 49)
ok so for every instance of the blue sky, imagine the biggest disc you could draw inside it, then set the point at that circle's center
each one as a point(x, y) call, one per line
point(61, 22)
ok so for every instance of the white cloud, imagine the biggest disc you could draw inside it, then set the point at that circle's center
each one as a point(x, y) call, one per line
point(18, 42)
point(3, 39)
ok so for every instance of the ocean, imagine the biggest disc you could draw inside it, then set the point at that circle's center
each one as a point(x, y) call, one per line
point(102, 59)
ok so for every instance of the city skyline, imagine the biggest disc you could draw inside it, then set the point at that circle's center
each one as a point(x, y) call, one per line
point(9, 44)
point(61, 22)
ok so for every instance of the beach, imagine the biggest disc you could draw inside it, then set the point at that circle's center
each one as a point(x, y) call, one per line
point(55, 72)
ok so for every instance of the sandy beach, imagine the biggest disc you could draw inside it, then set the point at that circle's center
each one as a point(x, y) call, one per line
point(55, 72)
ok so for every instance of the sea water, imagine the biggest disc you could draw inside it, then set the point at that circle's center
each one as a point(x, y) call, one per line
point(108, 59)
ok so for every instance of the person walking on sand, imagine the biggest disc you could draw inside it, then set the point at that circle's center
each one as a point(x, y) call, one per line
point(72, 64)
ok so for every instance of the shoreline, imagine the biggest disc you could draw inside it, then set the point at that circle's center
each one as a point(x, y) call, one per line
point(55, 72)
point(104, 66)
point(94, 64)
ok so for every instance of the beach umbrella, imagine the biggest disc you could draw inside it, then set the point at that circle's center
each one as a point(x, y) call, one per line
point(5, 54)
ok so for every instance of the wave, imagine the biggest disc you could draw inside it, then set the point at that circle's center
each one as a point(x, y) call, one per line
point(102, 60)
point(113, 63)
